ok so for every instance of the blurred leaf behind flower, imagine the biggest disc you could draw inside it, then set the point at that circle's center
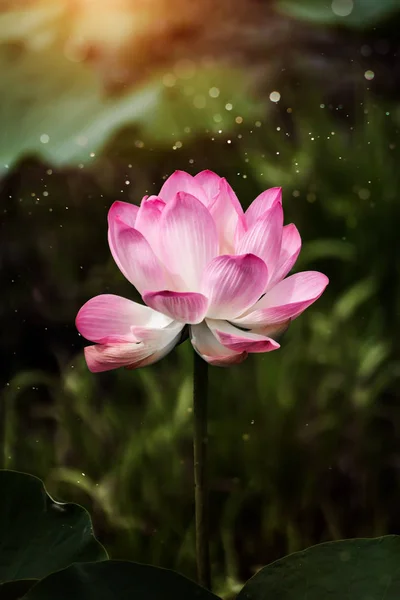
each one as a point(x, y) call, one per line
point(64, 90)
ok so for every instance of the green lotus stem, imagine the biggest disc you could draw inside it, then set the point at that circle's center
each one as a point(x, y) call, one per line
point(200, 398)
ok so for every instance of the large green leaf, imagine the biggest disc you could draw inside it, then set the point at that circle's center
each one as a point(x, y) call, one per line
point(37, 534)
point(363, 569)
point(358, 14)
point(117, 580)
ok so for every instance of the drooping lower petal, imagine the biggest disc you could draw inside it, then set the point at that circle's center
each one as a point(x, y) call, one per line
point(188, 239)
point(180, 181)
point(262, 203)
point(233, 284)
point(290, 250)
point(186, 307)
point(108, 319)
point(134, 256)
point(274, 330)
point(238, 340)
point(264, 237)
point(157, 355)
point(211, 350)
point(106, 357)
point(286, 300)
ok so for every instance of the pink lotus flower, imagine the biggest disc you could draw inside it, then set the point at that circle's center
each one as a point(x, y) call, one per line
point(197, 259)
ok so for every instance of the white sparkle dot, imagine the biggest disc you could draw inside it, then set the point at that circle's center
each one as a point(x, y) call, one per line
point(44, 138)
point(274, 96)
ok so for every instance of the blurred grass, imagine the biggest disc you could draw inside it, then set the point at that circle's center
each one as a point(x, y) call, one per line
point(304, 442)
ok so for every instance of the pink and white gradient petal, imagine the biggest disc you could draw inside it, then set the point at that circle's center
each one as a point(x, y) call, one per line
point(185, 307)
point(233, 284)
point(265, 201)
point(180, 181)
point(238, 340)
point(188, 239)
point(123, 211)
point(148, 221)
point(228, 216)
point(211, 350)
point(264, 238)
point(210, 182)
point(135, 258)
point(108, 319)
point(286, 300)
point(105, 357)
point(274, 330)
point(290, 250)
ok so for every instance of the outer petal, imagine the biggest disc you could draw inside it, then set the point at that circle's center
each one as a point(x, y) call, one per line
point(186, 307)
point(286, 300)
point(133, 355)
point(133, 255)
point(238, 340)
point(108, 319)
point(233, 283)
point(274, 330)
point(101, 358)
point(180, 181)
point(188, 239)
point(262, 203)
point(148, 221)
point(290, 250)
point(210, 349)
point(124, 211)
point(264, 237)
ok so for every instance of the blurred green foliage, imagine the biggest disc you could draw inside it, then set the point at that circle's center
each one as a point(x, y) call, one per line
point(304, 442)
point(358, 14)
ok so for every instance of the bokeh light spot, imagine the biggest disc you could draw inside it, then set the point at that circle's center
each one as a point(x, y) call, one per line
point(213, 92)
point(274, 96)
point(342, 8)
